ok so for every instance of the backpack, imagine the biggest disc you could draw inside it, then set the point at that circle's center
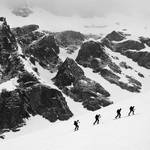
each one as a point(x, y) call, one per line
point(75, 122)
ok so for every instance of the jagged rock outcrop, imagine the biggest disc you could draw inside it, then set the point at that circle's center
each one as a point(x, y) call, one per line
point(92, 54)
point(72, 81)
point(121, 45)
point(89, 51)
point(132, 86)
point(10, 63)
point(12, 110)
point(27, 34)
point(27, 39)
point(131, 49)
point(48, 102)
point(45, 50)
point(142, 58)
point(128, 45)
point(67, 38)
point(20, 31)
point(124, 65)
point(145, 40)
point(115, 36)
point(38, 45)
point(68, 72)
point(19, 104)
point(30, 97)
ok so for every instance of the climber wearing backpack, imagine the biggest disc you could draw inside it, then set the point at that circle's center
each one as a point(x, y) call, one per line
point(97, 119)
point(76, 124)
point(131, 110)
point(118, 113)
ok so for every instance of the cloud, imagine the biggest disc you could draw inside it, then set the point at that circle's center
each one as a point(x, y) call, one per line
point(87, 8)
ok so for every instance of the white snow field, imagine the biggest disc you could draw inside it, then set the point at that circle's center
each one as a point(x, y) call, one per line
point(127, 133)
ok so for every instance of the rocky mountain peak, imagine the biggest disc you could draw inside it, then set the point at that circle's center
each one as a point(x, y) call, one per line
point(90, 50)
point(115, 36)
point(7, 39)
point(68, 72)
point(20, 31)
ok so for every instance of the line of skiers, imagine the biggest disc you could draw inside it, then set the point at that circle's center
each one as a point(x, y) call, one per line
point(98, 116)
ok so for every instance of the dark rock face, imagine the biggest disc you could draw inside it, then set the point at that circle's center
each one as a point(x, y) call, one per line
point(27, 34)
point(68, 72)
point(115, 68)
point(124, 65)
point(92, 54)
point(85, 85)
point(45, 50)
point(67, 38)
point(17, 105)
point(27, 39)
point(145, 40)
point(142, 58)
point(26, 79)
point(40, 45)
point(133, 81)
point(11, 66)
point(82, 89)
point(49, 103)
point(141, 75)
point(7, 39)
point(30, 97)
point(9, 59)
point(89, 51)
point(20, 31)
point(106, 42)
point(114, 79)
point(97, 64)
point(12, 110)
point(127, 45)
point(115, 36)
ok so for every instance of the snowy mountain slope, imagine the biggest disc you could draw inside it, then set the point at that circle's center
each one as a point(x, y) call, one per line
point(60, 135)
point(46, 76)
point(135, 68)
point(125, 133)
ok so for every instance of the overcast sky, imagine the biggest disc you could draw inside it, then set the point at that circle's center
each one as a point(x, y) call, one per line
point(88, 8)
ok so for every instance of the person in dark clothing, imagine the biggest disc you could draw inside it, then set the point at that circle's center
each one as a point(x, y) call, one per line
point(131, 110)
point(76, 123)
point(97, 119)
point(118, 113)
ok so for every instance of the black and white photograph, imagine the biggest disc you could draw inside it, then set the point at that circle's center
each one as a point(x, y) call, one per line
point(74, 75)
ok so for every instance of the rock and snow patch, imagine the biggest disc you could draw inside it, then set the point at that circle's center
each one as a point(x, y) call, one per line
point(9, 85)
point(127, 133)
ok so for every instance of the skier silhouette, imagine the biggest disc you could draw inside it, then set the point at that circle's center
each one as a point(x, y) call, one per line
point(118, 113)
point(76, 123)
point(131, 110)
point(97, 119)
